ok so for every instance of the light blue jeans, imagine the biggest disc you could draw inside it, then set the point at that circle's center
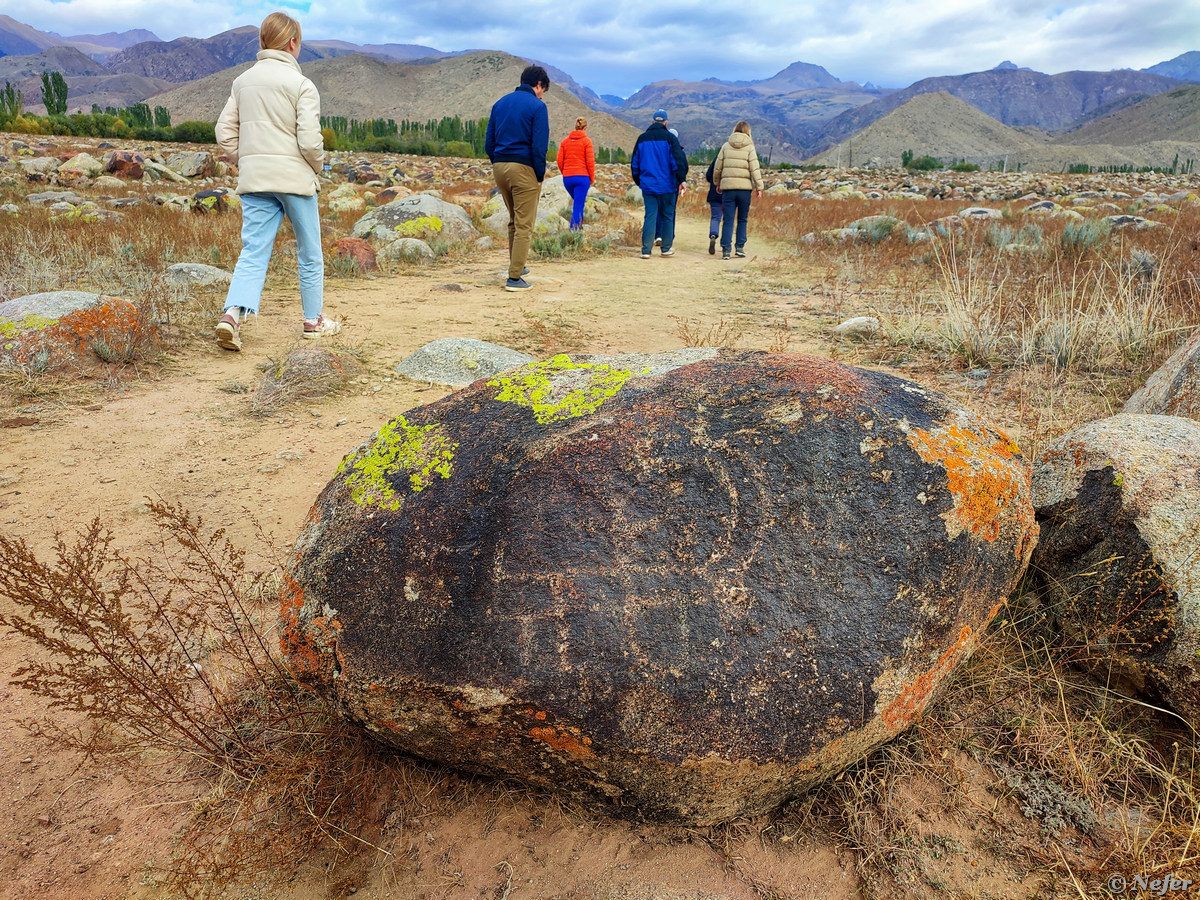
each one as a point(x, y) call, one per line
point(262, 214)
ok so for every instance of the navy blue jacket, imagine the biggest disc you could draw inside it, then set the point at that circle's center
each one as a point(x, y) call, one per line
point(518, 130)
point(658, 164)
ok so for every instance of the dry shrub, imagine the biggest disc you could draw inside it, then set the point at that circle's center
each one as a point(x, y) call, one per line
point(172, 662)
point(546, 332)
point(695, 333)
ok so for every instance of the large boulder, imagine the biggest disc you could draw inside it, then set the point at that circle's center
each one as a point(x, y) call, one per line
point(1119, 506)
point(192, 163)
point(690, 585)
point(125, 163)
point(1174, 388)
point(418, 216)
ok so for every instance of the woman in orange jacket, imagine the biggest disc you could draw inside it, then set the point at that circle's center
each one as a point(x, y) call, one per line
point(577, 163)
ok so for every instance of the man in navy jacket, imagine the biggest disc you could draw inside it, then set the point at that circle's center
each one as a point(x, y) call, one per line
point(659, 168)
point(518, 135)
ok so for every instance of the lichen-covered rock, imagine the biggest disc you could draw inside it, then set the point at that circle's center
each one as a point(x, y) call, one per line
point(1174, 388)
point(690, 585)
point(58, 328)
point(192, 163)
point(418, 216)
point(1119, 506)
point(458, 362)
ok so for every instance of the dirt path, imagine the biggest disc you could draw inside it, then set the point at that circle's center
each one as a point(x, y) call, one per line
point(72, 831)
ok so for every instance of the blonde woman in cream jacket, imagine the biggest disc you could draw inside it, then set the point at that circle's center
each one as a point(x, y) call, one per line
point(736, 173)
point(271, 128)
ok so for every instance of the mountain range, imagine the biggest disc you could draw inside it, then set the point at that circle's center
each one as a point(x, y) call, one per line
point(800, 112)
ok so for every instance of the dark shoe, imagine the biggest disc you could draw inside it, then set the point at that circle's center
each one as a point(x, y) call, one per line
point(517, 284)
point(228, 333)
point(724, 254)
point(525, 271)
point(322, 327)
point(670, 251)
point(740, 252)
point(712, 245)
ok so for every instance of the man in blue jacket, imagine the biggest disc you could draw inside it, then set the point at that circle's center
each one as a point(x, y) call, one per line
point(659, 168)
point(518, 135)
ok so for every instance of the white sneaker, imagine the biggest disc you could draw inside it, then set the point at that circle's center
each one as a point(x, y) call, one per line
point(323, 327)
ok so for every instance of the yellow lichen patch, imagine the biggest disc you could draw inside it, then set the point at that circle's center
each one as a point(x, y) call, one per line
point(912, 699)
point(420, 450)
point(569, 740)
point(419, 225)
point(981, 473)
point(540, 387)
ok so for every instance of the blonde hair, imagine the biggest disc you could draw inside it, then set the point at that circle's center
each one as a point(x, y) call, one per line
point(581, 124)
point(743, 127)
point(276, 30)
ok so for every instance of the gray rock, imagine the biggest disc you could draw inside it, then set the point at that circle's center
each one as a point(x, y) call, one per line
point(192, 163)
point(690, 584)
point(51, 198)
point(39, 165)
point(186, 274)
point(420, 215)
point(406, 250)
point(1174, 388)
point(858, 328)
point(980, 212)
point(82, 164)
point(47, 306)
point(1118, 502)
point(458, 362)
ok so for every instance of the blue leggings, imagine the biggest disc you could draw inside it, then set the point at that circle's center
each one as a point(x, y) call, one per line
point(577, 186)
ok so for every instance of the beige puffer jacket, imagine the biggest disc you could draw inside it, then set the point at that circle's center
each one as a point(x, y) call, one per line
point(737, 165)
point(271, 126)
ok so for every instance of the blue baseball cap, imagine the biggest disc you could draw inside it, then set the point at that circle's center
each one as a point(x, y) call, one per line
point(660, 115)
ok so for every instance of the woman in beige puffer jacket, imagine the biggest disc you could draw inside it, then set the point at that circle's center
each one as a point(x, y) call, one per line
point(736, 173)
point(271, 128)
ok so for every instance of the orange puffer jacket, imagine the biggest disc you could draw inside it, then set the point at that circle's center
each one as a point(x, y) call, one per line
point(576, 156)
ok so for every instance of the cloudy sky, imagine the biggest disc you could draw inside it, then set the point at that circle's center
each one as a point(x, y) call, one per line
point(618, 46)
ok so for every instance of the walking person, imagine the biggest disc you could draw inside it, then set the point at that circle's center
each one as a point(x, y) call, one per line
point(271, 128)
point(518, 136)
point(577, 163)
point(714, 208)
point(659, 167)
point(736, 173)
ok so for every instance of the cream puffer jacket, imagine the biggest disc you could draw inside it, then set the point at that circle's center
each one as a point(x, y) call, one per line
point(737, 166)
point(271, 126)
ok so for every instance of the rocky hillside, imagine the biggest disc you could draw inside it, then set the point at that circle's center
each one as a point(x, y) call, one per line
point(188, 59)
point(88, 81)
point(784, 109)
point(1015, 97)
point(361, 87)
point(1185, 67)
point(1170, 116)
point(945, 127)
point(939, 125)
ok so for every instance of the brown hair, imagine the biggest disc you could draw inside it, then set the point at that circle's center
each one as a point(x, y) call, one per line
point(743, 127)
point(276, 30)
point(581, 124)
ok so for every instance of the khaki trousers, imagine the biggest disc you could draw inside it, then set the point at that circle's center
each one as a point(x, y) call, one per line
point(520, 189)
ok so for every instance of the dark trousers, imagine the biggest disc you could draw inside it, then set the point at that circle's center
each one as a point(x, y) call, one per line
point(660, 218)
point(739, 202)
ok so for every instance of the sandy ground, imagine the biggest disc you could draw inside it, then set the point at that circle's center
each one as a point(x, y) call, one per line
point(70, 830)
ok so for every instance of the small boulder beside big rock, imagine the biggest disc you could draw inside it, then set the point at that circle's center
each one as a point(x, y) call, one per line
point(683, 587)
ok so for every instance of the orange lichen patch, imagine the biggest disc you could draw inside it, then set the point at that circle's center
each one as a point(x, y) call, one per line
point(982, 474)
point(569, 740)
point(113, 330)
point(305, 650)
point(904, 709)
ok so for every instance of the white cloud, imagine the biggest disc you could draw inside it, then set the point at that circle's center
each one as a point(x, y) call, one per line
point(618, 46)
